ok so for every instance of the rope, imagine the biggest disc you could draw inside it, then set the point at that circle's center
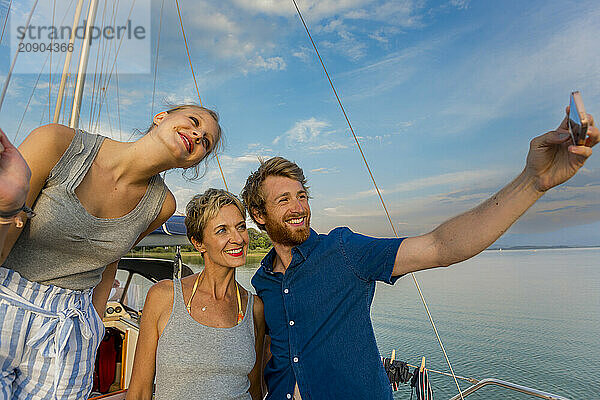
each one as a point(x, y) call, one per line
point(12, 66)
point(156, 58)
point(196, 83)
point(118, 102)
point(64, 103)
point(116, 56)
point(31, 96)
point(470, 380)
point(5, 21)
point(104, 75)
point(102, 85)
point(50, 68)
point(108, 119)
point(97, 91)
point(377, 189)
point(115, 7)
point(49, 55)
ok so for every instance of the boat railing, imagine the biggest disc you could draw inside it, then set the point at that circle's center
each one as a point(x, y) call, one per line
point(508, 385)
point(477, 384)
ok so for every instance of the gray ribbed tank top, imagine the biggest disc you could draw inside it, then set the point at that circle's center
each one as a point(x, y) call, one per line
point(194, 361)
point(66, 246)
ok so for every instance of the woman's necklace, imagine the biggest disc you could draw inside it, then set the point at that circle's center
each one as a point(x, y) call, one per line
point(240, 315)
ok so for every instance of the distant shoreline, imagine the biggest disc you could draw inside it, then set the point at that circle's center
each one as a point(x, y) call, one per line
point(193, 257)
point(541, 247)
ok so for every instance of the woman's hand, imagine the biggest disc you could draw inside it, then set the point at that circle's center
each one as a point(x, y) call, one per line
point(14, 176)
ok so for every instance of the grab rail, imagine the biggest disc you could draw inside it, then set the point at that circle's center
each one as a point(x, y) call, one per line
point(511, 386)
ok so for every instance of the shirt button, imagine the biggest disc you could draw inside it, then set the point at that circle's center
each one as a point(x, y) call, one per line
point(289, 396)
point(286, 290)
point(292, 323)
point(295, 359)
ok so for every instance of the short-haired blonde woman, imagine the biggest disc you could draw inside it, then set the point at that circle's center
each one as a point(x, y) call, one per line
point(202, 337)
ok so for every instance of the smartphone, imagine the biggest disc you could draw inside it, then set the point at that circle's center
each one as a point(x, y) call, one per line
point(578, 123)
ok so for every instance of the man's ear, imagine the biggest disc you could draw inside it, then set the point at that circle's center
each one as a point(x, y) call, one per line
point(159, 117)
point(258, 217)
point(199, 246)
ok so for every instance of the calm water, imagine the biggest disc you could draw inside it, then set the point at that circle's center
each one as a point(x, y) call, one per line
point(529, 317)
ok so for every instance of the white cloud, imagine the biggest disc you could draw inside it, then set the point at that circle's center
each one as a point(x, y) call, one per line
point(475, 177)
point(348, 45)
point(269, 64)
point(304, 131)
point(328, 146)
point(523, 70)
point(312, 134)
point(303, 54)
point(324, 170)
point(395, 69)
point(460, 4)
point(314, 9)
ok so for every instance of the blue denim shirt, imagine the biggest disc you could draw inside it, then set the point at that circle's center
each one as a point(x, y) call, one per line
point(318, 317)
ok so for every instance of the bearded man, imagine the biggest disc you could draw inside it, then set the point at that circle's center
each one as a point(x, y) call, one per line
point(317, 289)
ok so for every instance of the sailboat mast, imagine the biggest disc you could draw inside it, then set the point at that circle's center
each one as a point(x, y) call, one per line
point(83, 61)
point(65, 72)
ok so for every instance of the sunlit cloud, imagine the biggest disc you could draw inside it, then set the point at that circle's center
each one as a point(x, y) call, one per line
point(455, 178)
point(304, 131)
point(324, 170)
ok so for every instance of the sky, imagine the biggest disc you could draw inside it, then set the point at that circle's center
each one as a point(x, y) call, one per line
point(444, 97)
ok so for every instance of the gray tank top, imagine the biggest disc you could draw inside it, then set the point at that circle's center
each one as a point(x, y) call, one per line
point(195, 361)
point(66, 246)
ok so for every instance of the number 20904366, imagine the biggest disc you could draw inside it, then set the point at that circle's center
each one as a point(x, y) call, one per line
point(44, 47)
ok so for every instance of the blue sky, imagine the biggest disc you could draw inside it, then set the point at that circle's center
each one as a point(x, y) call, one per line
point(445, 97)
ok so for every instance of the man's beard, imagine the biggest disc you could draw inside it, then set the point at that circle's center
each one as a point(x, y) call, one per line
point(280, 233)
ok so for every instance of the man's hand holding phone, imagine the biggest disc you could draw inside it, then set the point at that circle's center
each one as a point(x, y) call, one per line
point(577, 119)
point(556, 156)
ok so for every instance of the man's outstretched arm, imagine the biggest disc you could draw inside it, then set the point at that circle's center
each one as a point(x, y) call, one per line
point(552, 160)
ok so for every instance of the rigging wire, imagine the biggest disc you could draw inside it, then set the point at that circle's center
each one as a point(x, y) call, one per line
point(156, 58)
point(108, 119)
point(49, 55)
point(5, 21)
point(102, 87)
point(117, 54)
point(116, 7)
point(50, 68)
point(470, 380)
point(118, 102)
point(96, 90)
point(12, 66)
point(31, 96)
point(196, 83)
point(377, 189)
point(64, 103)
point(156, 67)
point(75, 81)
point(105, 86)
point(104, 73)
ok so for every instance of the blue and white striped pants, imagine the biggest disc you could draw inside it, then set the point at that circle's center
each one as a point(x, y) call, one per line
point(48, 340)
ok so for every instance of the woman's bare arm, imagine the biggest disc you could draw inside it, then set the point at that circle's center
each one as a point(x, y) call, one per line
point(41, 150)
point(256, 375)
point(102, 290)
point(158, 301)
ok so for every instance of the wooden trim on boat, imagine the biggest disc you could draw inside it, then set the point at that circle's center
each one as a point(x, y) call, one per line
point(119, 395)
point(124, 349)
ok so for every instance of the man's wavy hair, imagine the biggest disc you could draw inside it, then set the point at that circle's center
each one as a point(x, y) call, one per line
point(253, 195)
